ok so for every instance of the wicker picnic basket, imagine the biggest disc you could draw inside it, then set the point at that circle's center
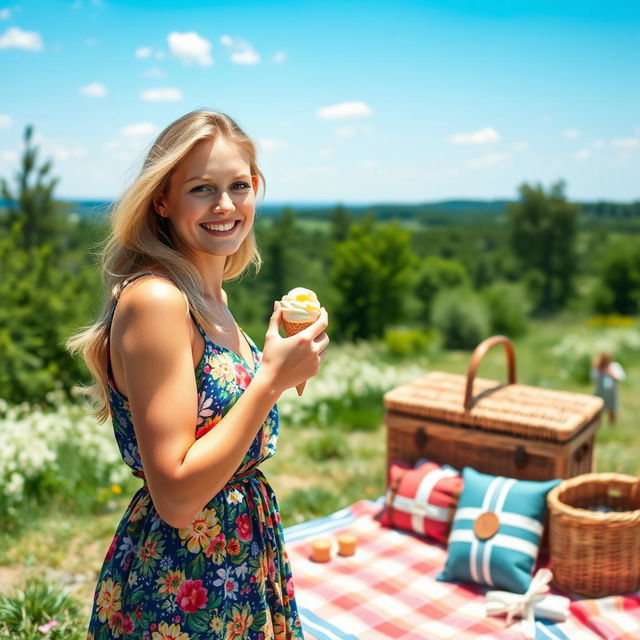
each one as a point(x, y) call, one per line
point(593, 553)
point(514, 430)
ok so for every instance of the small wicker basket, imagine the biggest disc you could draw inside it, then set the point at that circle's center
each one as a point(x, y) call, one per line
point(595, 553)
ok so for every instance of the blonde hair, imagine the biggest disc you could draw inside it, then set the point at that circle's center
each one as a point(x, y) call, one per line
point(139, 238)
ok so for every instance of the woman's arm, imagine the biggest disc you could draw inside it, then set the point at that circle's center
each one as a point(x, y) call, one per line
point(153, 337)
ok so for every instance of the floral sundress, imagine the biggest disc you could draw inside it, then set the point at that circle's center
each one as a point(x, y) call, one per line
point(225, 576)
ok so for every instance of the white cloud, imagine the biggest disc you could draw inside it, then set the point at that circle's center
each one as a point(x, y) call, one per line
point(344, 110)
point(94, 90)
point(520, 146)
point(345, 132)
point(279, 57)
point(571, 134)
point(271, 144)
point(624, 143)
point(582, 154)
point(5, 121)
point(143, 52)
point(8, 156)
point(5, 14)
point(16, 38)
point(163, 94)
point(242, 52)
point(138, 130)
point(64, 153)
point(154, 72)
point(190, 48)
point(488, 134)
point(488, 161)
point(598, 144)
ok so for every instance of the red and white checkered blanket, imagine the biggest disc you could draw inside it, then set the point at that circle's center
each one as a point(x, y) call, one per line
point(388, 590)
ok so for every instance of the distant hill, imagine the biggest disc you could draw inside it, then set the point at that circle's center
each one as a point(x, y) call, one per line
point(98, 208)
point(441, 213)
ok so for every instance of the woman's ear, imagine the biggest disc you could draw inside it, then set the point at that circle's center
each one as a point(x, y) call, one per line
point(159, 206)
point(255, 181)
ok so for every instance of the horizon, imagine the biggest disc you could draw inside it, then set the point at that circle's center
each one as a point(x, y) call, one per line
point(426, 102)
point(333, 204)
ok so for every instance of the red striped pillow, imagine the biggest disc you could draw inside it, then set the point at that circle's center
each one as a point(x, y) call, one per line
point(422, 500)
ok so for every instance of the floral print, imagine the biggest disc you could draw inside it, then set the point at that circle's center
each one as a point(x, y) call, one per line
point(226, 575)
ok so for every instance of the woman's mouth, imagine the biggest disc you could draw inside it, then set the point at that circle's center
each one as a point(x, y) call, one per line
point(221, 230)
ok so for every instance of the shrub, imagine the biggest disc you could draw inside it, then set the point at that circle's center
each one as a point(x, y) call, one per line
point(461, 317)
point(619, 288)
point(55, 458)
point(404, 342)
point(508, 308)
point(329, 444)
point(438, 274)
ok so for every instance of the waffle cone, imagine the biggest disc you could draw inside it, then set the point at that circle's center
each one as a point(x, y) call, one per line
point(291, 328)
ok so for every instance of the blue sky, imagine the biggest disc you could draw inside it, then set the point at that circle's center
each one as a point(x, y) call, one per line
point(349, 101)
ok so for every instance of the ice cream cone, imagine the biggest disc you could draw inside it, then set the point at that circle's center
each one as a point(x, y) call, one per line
point(290, 329)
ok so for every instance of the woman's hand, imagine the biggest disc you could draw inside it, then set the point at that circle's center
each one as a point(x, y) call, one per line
point(290, 361)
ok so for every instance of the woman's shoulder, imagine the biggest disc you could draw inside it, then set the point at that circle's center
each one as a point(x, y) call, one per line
point(149, 299)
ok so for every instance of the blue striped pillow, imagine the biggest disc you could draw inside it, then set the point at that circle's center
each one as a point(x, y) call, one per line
point(506, 559)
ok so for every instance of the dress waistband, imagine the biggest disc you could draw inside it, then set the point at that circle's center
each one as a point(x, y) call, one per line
point(243, 476)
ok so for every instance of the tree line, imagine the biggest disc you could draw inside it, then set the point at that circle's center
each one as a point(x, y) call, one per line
point(464, 282)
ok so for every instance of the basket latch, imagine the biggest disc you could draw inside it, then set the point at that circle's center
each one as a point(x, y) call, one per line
point(521, 457)
point(421, 438)
point(581, 452)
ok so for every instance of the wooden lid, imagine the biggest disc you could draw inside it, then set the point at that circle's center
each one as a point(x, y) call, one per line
point(516, 409)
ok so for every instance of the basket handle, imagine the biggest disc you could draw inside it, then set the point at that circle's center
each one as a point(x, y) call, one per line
point(479, 352)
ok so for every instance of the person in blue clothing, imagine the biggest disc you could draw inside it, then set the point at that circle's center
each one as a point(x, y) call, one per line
point(199, 553)
point(606, 374)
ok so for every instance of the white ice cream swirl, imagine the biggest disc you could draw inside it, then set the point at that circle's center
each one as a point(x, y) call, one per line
point(300, 305)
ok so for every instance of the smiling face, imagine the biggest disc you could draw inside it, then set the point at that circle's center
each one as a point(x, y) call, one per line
point(210, 202)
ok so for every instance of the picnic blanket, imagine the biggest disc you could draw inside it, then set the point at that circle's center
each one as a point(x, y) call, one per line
point(388, 590)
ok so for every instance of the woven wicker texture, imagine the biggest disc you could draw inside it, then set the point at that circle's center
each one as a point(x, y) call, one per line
point(516, 409)
point(592, 553)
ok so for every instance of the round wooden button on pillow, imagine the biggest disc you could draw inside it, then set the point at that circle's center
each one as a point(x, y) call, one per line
point(486, 525)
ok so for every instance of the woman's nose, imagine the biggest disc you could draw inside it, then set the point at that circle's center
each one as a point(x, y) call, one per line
point(224, 202)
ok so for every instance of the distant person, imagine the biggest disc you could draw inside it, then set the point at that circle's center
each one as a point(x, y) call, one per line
point(606, 374)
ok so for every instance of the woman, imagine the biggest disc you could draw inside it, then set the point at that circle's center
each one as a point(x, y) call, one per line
point(199, 552)
point(606, 374)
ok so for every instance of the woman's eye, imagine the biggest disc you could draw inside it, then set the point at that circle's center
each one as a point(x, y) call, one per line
point(240, 185)
point(198, 188)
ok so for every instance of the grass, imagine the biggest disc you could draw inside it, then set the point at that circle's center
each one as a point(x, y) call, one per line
point(40, 608)
point(319, 470)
